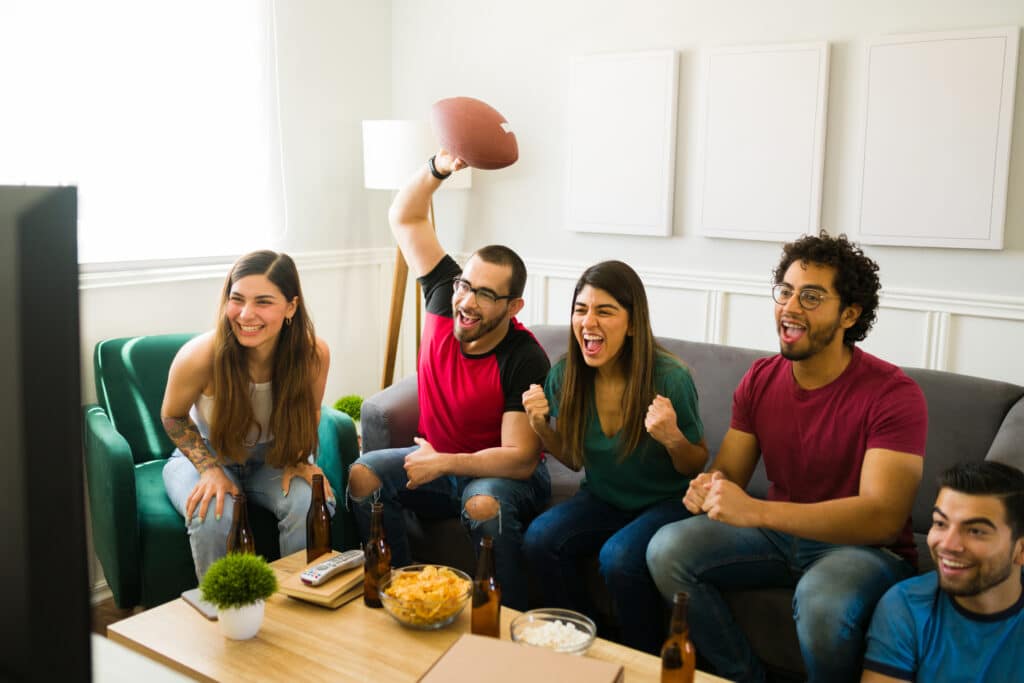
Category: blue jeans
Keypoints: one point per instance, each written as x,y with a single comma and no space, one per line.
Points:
562,537
262,486
836,588
519,501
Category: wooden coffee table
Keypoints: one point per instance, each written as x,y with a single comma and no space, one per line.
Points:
303,642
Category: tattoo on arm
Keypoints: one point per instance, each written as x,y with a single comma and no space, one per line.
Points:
185,435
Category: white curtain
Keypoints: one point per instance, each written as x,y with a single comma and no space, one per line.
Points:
164,114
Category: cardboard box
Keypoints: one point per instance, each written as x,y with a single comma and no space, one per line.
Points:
333,593
478,658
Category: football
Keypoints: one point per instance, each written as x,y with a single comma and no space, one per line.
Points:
475,132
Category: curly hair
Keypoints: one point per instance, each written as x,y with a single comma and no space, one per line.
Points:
856,278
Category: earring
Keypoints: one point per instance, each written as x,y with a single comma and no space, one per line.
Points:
288,322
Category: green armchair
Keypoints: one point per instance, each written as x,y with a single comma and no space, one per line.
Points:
139,537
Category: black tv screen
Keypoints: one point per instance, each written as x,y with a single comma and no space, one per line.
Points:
44,582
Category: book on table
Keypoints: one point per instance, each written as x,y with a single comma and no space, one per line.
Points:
332,593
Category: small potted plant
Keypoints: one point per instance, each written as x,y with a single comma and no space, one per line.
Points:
352,406
238,584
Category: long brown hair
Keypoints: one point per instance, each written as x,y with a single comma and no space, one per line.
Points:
296,363
639,350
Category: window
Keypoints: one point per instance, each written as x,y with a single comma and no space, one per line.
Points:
164,114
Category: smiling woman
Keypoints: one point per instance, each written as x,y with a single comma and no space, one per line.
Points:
242,406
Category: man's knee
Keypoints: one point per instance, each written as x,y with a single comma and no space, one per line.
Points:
481,508
362,481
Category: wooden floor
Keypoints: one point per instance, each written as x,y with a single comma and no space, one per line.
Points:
106,613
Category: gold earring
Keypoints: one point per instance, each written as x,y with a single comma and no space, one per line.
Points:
288,322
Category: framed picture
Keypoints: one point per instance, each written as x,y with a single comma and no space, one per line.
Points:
622,142
762,141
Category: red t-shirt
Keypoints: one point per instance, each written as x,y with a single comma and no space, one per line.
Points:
463,397
813,442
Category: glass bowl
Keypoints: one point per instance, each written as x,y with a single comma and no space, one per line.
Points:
561,630
425,596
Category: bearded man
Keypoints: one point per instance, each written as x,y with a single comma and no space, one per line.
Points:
842,434
476,454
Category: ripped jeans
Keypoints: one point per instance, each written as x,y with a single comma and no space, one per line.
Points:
519,501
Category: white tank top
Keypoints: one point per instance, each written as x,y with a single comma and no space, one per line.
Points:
262,401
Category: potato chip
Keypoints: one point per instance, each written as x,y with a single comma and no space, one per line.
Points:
426,596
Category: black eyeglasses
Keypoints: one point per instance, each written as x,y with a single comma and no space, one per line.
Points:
483,295
809,298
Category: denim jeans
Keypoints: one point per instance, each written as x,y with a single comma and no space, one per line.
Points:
519,501
262,486
562,537
836,588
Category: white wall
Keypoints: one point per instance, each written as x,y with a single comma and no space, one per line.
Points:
951,309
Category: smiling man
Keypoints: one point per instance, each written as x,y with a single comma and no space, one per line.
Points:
842,435
476,454
965,620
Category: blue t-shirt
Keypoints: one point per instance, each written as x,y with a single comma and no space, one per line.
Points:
920,633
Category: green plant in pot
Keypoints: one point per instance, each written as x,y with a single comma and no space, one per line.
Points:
351,405
239,584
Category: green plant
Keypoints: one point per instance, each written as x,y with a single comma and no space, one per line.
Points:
351,405
238,579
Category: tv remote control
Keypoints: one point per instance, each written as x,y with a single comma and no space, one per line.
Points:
317,574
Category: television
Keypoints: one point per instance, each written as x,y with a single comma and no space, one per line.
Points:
44,578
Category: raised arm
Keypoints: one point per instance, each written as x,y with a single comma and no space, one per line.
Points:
410,215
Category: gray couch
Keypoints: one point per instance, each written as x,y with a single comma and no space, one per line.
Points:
969,419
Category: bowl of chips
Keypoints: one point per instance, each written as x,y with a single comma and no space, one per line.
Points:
561,630
425,596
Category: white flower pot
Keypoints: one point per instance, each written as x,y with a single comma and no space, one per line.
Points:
241,623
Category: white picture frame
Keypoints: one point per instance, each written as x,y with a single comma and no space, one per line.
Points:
761,143
622,142
936,139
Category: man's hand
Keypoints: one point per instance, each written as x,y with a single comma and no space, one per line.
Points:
698,491
423,465
536,405
661,422
304,470
727,502
213,483
444,162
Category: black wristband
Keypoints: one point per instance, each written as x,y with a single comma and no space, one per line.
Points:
434,172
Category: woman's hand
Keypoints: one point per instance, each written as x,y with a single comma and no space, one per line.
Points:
213,483
445,162
304,470
537,409
661,422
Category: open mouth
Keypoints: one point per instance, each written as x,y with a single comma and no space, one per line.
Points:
468,321
592,344
791,332
248,330
950,567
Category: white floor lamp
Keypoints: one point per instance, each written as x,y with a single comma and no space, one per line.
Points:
392,151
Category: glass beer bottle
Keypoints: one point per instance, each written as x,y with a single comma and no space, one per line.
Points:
678,657
486,617
240,538
318,522
377,565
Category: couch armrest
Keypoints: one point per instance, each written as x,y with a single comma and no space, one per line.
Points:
1005,446
339,448
389,417
113,508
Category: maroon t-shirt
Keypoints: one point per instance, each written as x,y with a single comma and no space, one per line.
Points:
813,442
463,396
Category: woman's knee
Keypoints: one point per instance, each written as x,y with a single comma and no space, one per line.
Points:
362,481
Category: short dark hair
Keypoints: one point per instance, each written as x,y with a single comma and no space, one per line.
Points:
990,478
856,275
503,256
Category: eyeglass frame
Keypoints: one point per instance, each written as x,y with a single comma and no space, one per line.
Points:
489,296
814,294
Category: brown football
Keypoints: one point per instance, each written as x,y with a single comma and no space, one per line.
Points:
475,132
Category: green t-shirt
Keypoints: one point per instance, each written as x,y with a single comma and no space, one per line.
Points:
646,476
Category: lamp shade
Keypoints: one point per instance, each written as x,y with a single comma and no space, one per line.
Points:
394,149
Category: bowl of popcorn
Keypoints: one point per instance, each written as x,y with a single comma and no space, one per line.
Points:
561,630
425,596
